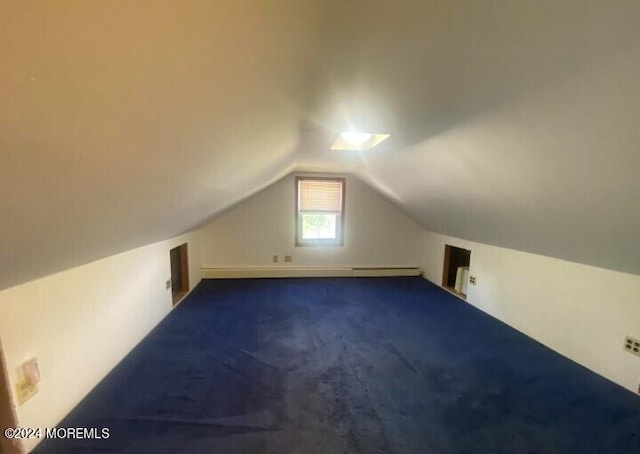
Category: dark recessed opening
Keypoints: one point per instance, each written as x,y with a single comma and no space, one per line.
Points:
455,274
179,272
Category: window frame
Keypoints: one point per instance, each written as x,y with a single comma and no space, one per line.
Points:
339,240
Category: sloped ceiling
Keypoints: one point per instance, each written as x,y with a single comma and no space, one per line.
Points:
513,123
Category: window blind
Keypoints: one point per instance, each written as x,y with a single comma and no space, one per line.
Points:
320,195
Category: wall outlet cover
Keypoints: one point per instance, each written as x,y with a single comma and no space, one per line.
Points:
275,259
288,258
632,345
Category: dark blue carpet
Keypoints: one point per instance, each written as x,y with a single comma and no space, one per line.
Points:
368,365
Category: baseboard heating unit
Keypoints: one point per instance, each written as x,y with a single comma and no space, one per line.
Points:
267,272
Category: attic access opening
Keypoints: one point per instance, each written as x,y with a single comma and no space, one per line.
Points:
455,273
179,272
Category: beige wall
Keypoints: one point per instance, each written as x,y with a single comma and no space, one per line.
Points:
578,310
377,233
81,322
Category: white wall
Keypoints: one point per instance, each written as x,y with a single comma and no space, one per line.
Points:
81,322
376,232
578,310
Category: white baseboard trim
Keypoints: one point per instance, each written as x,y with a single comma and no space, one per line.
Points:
386,271
269,272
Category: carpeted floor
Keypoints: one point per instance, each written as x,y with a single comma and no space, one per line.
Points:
362,365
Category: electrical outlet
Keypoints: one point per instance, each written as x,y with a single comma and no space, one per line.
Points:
275,259
472,280
632,345
288,259
167,284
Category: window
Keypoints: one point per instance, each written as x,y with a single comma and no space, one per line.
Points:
319,211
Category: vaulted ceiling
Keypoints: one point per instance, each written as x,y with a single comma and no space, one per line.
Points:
512,123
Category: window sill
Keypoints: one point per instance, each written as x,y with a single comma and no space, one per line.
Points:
319,244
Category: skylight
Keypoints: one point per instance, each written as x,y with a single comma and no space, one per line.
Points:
356,140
